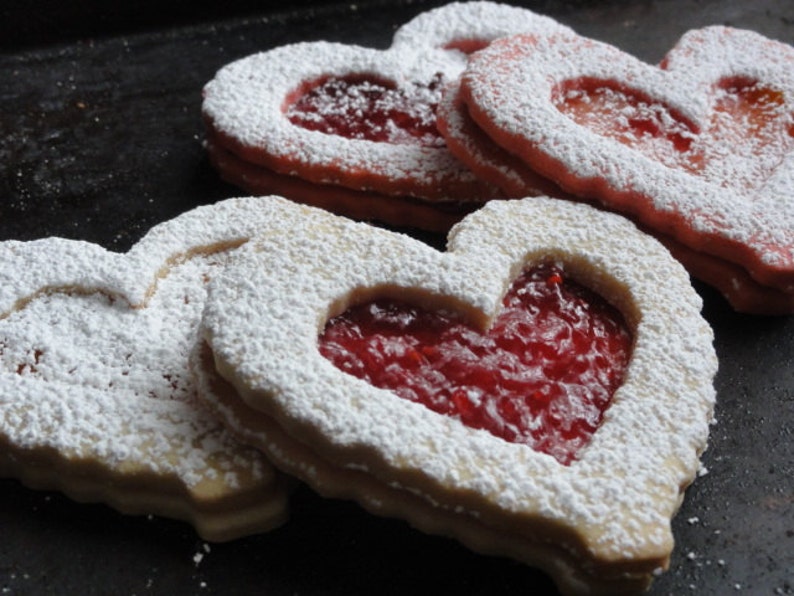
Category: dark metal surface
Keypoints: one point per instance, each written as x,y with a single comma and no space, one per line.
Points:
100,138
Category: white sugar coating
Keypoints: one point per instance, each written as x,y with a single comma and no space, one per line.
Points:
618,497
246,102
739,206
92,377
94,353
458,22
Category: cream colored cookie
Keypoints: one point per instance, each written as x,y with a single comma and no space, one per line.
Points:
96,396
598,525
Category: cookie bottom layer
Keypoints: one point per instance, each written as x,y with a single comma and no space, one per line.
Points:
430,216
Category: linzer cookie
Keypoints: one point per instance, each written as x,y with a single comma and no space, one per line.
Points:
513,175
541,390
333,116
339,114
96,395
698,149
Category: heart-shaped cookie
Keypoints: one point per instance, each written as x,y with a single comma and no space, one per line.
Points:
339,118
280,110
699,148
494,164
96,395
601,523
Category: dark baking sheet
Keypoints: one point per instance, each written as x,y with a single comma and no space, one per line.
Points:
100,138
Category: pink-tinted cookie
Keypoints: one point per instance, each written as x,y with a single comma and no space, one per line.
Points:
96,395
344,115
360,119
406,212
513,175
594,513
698,148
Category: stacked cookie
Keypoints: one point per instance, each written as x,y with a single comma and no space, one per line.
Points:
593,508
97,398
353,129
696,151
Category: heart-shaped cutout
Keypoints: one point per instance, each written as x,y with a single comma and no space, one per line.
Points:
96,395
631,118
748,134
718,108
602,522
542,374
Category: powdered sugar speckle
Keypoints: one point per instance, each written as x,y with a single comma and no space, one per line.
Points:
95,387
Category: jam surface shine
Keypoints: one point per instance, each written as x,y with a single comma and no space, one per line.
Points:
542,375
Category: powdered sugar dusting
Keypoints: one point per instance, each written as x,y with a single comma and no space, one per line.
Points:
94,367
370,110
115,377
617,498
730,195
250,105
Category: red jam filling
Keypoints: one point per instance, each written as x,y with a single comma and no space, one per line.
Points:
752,130
358,107
630,118
748,133
756,109
542,375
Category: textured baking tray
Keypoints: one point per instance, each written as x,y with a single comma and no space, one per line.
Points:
100,138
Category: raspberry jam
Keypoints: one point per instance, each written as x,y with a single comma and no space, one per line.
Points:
748,133
542,375
368,109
